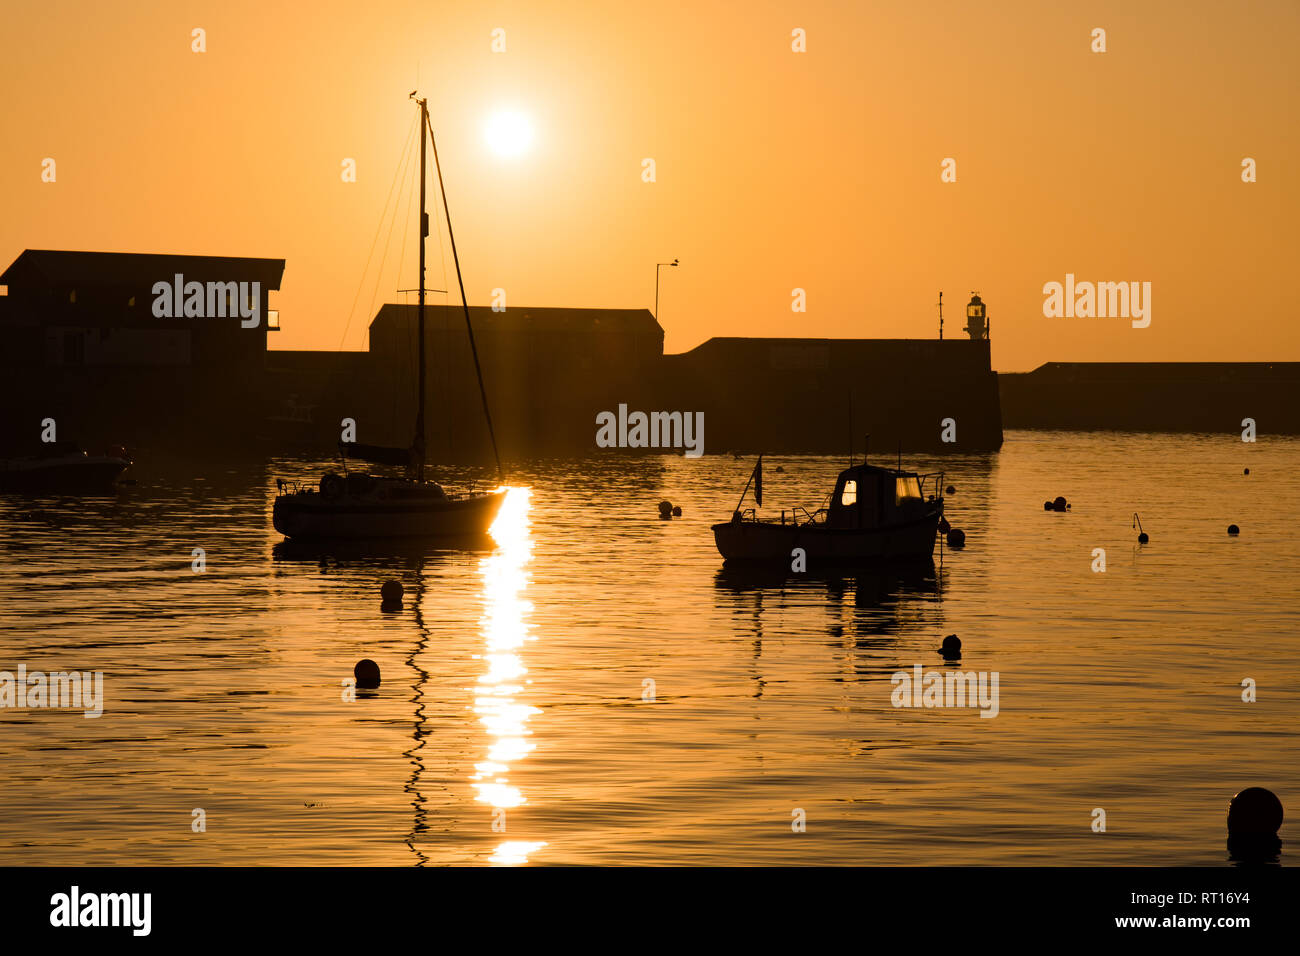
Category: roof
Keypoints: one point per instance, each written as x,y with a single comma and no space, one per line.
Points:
518,318
37,266
1150,372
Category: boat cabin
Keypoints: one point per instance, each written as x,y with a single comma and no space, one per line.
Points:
867,496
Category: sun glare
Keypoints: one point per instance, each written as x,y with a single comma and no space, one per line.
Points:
509,134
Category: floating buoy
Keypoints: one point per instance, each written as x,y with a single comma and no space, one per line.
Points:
1233,529
951,649
391,592
1060,504
780,470
944,526
367,674
1142,538
1246,472
956,538
1254,812
665,509
677,511
1047,506
950,490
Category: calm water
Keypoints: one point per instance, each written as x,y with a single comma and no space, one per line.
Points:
514,678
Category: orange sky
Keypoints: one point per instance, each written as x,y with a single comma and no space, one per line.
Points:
775,170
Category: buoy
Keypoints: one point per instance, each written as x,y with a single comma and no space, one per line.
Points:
1233,529
1254,812
367,674
956,538
677,511
1142,538
1060,504
1246,472
944,526
950,490
1047,506
780,470
391,592
665,509
951,649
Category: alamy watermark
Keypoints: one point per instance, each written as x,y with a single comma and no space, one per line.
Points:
946,689
57,689
655,430
208,300
75,908
1086,300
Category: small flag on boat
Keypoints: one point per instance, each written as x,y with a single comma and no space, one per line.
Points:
758,481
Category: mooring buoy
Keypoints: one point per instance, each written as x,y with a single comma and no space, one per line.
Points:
950,490
1254,811
391,592
1233,529
951,649
956,538
665,509
366,672
1060,504
1047,506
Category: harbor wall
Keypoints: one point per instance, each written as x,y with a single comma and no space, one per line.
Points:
815,396
1154,396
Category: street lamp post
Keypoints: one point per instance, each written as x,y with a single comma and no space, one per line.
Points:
658,266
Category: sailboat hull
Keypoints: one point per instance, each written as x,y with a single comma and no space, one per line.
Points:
312,516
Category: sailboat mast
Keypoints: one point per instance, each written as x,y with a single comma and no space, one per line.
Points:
469,326
424,232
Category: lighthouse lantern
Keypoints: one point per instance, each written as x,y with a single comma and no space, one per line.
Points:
976,321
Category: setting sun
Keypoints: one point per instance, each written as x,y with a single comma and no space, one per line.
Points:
509,134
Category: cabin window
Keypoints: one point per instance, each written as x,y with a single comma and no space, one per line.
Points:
849,496
909,487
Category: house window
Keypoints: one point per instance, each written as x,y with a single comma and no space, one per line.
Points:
850,494
74,347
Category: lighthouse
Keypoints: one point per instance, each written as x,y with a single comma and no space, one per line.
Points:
976,320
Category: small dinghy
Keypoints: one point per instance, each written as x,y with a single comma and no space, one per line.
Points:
61,467
873,514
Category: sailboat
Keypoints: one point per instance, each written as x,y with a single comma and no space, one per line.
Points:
359,505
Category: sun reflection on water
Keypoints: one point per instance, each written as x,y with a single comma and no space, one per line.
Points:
505,630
